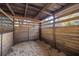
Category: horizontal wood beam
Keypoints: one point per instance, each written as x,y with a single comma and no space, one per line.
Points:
21,18
6,14
70,19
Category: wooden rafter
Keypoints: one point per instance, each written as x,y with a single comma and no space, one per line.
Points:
43,10
10,9
26,8
60,5
6,14
67,11
47,13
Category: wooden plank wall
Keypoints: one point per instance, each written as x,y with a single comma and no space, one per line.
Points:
21,33
67,37
34,33
26,32
7,42
47,35
6,35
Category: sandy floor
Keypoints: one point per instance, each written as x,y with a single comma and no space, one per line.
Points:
34,48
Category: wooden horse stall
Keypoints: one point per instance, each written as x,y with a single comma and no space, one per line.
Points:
67,34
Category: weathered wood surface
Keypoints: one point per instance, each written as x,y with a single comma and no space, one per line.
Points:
68,39
25,33
47,35
7,41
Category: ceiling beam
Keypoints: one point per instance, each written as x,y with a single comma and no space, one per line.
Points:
60,5
6,14
42,10
10,9
26,8
67,11
47,13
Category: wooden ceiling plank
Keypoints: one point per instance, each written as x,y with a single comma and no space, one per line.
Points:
10,9
43,9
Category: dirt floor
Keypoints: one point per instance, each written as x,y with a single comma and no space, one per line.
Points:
34,48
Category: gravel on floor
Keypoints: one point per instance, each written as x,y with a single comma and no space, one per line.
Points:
34,48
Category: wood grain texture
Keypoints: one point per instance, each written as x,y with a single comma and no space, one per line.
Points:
7,41
67,38
26,33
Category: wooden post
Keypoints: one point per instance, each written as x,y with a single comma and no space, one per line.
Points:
1,36
54,31
13,31
28,31
40,31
